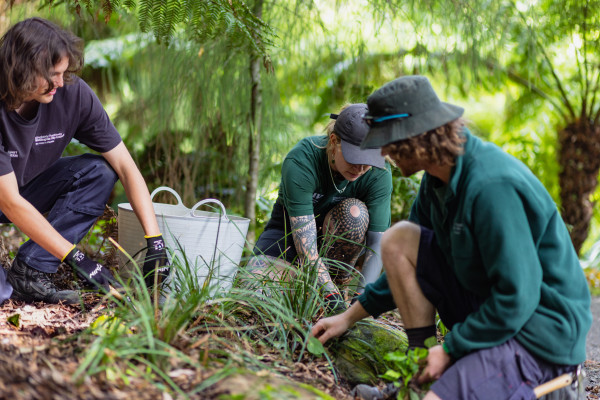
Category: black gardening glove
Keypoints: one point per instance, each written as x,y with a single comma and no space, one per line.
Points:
95,273
335,304
156,259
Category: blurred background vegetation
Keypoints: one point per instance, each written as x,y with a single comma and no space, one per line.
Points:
210,95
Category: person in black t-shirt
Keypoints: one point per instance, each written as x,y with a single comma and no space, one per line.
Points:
43,105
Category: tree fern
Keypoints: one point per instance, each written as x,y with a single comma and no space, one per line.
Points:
204,20
144,9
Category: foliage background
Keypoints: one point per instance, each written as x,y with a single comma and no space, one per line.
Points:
180,92
179,89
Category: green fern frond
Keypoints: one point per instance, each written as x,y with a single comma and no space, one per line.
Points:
173,15
129,4
108,8
231,21
145,7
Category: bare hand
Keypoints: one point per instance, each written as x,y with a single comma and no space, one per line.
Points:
437,362
330,327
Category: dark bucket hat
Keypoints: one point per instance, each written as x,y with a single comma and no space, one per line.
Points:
352,129
404,108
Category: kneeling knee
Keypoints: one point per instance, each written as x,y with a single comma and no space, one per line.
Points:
349,218
401,240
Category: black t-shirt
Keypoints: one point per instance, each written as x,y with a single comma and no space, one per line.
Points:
28,147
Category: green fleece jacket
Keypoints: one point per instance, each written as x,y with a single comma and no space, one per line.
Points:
501,232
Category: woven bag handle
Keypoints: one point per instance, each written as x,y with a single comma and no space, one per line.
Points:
167,189
201,202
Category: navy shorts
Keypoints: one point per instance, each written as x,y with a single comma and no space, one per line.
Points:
440,285
276,243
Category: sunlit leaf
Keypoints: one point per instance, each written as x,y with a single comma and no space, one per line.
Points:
14,319
315,347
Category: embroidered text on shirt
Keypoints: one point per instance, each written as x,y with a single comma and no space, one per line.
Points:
47,139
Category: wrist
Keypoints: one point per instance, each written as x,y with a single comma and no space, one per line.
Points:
153,236
71,250
155,243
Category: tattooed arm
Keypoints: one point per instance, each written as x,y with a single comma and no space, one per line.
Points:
304,232
372,264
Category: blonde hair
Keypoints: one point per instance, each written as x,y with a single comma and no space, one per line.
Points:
332,143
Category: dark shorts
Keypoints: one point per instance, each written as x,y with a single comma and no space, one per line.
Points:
507,371
440,285
276,243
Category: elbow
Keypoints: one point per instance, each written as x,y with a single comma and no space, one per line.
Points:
9,204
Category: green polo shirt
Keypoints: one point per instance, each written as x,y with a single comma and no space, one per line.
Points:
307,185
501,232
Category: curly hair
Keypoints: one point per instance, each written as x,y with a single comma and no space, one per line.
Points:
28,51
438,146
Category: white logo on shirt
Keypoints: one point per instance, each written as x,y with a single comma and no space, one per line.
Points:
13,154
457,228
316,197
48,139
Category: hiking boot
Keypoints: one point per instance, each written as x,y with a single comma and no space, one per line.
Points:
30,285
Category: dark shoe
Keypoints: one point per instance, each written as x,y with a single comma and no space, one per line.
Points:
30,285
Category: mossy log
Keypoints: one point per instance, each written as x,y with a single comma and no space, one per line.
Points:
359,354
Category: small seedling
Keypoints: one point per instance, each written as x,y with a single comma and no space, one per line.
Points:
405,367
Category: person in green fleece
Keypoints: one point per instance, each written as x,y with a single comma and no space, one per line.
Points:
485,246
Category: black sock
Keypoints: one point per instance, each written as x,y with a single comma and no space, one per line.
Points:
417,336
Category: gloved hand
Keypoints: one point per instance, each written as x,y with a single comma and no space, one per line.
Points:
156,259
95,273
335,304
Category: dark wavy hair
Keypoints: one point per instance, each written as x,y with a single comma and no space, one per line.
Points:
438,146
30,49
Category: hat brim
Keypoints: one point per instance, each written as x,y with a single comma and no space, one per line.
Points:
354,155
394,130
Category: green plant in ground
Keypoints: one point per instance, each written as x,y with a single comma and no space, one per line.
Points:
282,300
147,334
193,324
405,367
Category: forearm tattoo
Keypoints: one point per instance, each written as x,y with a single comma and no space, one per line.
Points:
304,232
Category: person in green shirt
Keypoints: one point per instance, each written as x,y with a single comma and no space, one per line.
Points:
485,246
332,195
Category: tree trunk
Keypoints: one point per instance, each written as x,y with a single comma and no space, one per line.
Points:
254,142
579,158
